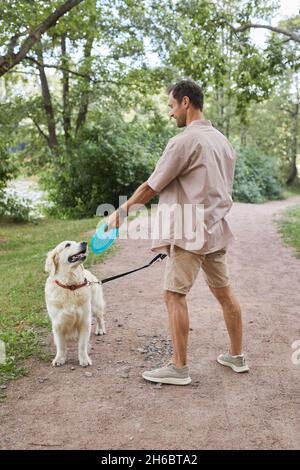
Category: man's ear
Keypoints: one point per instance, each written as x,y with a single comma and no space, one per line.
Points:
186,101
51,262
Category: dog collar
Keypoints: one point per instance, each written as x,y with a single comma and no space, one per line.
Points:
72,286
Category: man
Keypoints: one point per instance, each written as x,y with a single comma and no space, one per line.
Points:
197,167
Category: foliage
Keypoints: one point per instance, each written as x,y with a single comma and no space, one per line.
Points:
256,178
7,167
109,159
289,226
99,60
15,208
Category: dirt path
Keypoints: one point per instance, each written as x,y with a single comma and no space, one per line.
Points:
109,406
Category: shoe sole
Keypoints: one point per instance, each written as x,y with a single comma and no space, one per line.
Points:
171,380
233,367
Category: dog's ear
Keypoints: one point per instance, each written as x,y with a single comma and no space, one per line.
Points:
51,262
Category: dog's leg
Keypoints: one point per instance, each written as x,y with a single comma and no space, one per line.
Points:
98,313
84,335
61,348
100,323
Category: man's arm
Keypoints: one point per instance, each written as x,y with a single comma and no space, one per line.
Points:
142,195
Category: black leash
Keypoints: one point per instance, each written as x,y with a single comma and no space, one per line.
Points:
158,257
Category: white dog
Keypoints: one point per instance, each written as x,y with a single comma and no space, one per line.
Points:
73,295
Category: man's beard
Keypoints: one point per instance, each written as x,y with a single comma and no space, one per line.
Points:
181,122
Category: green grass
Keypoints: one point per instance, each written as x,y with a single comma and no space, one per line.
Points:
289,228
23,319
290,191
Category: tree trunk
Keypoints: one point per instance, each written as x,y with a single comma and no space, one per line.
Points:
229,53
243,135
222,118
65,89
84,99
293,172
47,101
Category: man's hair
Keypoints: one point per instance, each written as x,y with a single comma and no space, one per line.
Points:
188,88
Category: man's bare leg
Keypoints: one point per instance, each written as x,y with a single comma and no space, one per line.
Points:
179,325
232,317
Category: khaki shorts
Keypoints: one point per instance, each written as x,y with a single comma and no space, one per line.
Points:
183,267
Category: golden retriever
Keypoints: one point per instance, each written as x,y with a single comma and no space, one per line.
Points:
73,295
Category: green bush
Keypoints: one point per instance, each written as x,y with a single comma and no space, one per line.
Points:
112,157
7,168
11,206
7,172
108,159
15,208
256,178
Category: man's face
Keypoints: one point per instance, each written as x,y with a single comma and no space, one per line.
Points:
178,111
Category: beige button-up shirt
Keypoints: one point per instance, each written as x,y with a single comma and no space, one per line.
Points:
196,168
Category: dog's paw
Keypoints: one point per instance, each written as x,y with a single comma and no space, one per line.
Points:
85,361
99,332
58,361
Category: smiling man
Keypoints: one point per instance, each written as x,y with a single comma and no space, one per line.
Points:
196,168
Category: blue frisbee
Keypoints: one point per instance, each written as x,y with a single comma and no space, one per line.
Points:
101,240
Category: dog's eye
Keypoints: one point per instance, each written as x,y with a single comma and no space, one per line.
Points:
68,244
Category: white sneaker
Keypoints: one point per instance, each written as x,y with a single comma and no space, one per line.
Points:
237,363
169,374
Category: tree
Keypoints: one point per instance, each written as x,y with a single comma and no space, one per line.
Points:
12,58
239,29
195,41
292,108
283,57
93,56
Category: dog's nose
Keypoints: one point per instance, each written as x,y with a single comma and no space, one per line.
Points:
83,244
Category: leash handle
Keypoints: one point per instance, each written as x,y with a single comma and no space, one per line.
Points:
158,257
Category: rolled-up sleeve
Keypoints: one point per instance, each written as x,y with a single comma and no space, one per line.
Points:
171,164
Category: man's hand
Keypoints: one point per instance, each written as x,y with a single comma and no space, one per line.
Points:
115,219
